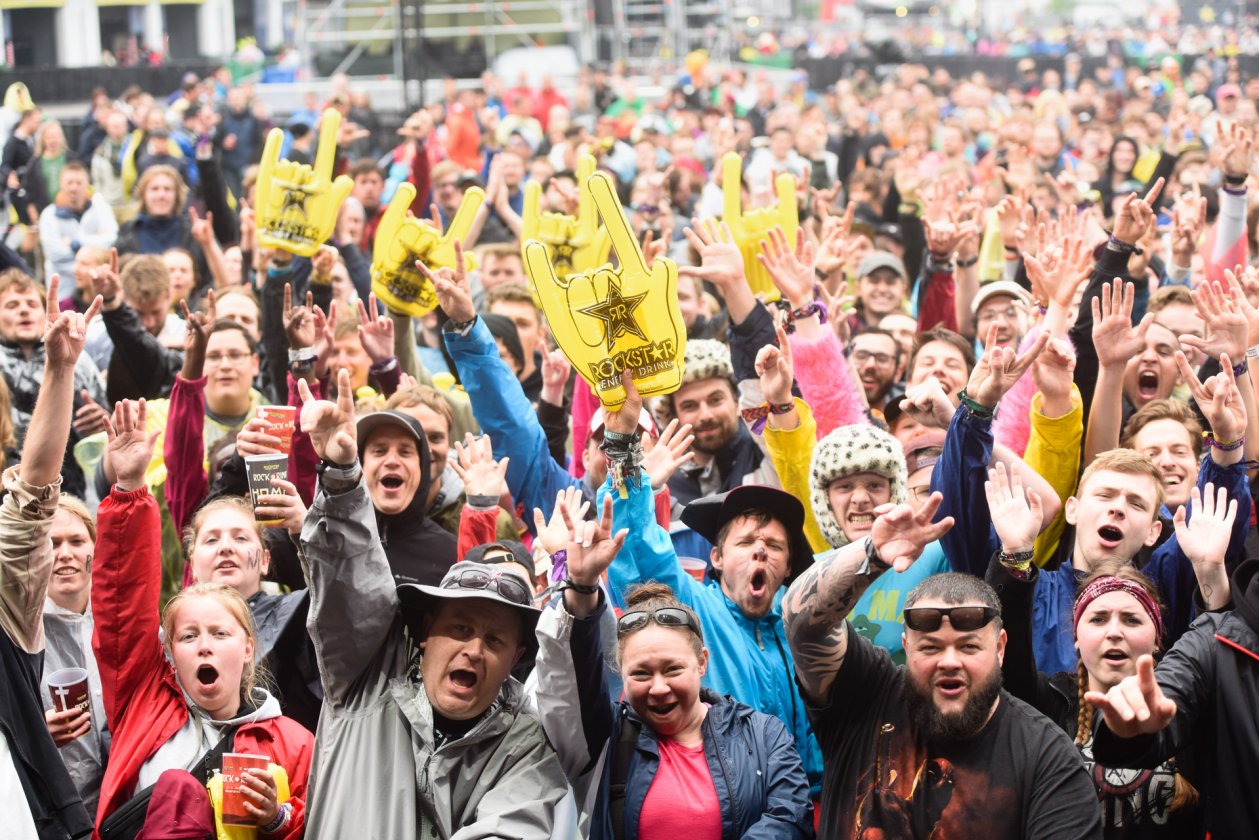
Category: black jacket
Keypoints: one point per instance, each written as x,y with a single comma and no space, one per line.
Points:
140,365
1212,675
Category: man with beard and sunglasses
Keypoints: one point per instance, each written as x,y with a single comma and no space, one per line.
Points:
935,748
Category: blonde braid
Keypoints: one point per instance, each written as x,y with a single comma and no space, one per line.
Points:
1084,716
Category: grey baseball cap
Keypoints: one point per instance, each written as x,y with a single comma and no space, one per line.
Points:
875,260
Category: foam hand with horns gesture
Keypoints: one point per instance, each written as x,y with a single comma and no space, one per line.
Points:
575,244
296,204
750,227
402,240
610,320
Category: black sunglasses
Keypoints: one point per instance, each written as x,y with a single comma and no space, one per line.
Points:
664,616
508,585
928,619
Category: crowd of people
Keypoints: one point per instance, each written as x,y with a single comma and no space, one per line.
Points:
944,530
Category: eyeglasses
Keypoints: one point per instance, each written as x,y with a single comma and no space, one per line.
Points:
863,356
234,357
506,584
664,616
921,493
1009,313
928,619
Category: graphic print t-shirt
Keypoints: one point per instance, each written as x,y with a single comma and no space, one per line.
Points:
1019,777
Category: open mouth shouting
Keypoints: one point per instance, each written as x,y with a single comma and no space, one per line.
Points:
207,677
1115,657
1147,384
1110,536
758,585
951,688
463,681
662,710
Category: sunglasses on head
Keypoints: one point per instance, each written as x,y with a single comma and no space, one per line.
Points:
928,619
508,585
664,616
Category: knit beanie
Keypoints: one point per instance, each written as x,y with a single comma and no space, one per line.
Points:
846,451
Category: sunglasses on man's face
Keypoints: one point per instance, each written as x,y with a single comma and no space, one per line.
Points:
508,585
929,619
664,616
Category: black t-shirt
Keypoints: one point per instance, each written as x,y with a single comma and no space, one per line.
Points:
1020,777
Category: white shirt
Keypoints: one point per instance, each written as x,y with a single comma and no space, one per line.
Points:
19,823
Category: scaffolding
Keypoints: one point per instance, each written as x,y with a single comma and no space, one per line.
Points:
650,35
373,33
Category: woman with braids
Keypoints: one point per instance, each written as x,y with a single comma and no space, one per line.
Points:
1117,619
672,758
177,701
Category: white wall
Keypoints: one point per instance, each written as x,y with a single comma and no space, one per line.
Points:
79,34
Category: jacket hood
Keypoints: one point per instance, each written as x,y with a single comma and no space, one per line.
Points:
1245,585
413,517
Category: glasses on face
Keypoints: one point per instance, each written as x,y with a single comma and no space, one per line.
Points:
506,584
232,357
862,357
920,493
446,185
1009,313
664,616
928,619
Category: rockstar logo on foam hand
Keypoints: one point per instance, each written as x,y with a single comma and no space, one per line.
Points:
297,205
402,239
608,320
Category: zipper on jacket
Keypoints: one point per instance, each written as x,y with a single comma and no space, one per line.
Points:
791,700
725,772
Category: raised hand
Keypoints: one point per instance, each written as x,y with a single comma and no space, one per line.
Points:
899,534
1054,372
1204,535
374,332
790,269
1058,283
1017,516
1189,219
613,320
721,261
325,331
837,248
283,510
591,545
1135,216
130,447
751,226
409,250
555,370
330,425
775,369
197,327
1114,337
1000,367
202,229
1219,398
1227,329
554,533
299,321
1137,706
671,451
575,244
927,403
1236,143
475,465
297,205
322,264
64,332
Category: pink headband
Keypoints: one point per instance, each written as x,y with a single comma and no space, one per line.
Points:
1103,585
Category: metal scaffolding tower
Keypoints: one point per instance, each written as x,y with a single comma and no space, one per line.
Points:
374,33
651,34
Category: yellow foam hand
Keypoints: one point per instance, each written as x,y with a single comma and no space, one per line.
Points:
402,239
751,226
574,244
296,205
609,319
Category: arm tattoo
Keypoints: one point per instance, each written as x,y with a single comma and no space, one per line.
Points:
814,612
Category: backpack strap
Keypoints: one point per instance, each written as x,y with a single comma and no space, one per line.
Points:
622,754
213,760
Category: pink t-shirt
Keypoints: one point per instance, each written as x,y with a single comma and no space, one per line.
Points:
681,800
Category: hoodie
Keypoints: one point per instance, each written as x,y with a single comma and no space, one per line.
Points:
418,549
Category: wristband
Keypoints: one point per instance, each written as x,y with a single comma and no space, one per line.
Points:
584,589
873,565
757,415
109,301
303,354
1017,563
815,308
559,563
385,366
1241,367
279,822
1252,352
1209,437
983,412
1123,247
461,327
966,263
624,453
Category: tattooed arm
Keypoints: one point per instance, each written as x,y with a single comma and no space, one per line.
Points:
818,601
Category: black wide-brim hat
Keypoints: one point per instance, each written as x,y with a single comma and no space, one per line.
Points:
706,517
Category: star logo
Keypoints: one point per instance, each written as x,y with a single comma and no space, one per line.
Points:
617,313
295,199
